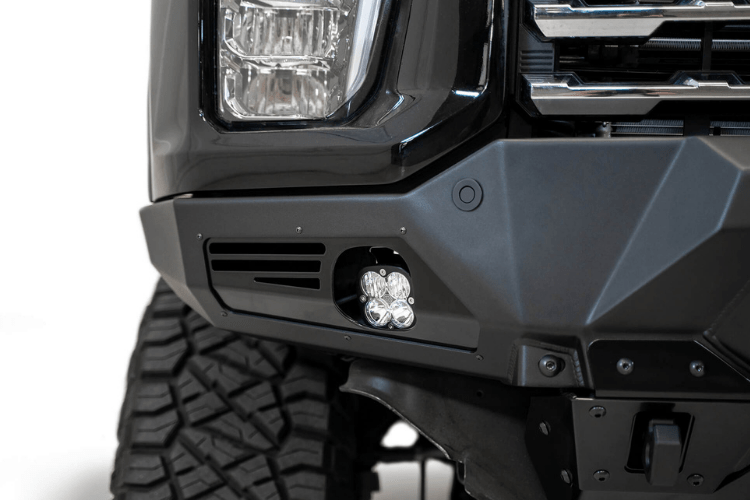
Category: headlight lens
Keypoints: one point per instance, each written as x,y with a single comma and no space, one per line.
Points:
292,59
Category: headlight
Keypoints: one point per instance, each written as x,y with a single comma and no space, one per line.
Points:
292,59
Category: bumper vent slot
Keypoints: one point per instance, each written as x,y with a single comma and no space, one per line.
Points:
267,249
267,266
311,283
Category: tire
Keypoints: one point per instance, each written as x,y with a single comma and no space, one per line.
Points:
213,415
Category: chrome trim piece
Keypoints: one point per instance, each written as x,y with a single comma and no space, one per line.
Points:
566,94
557,20
694,45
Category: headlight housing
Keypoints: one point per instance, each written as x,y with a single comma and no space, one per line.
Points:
292,59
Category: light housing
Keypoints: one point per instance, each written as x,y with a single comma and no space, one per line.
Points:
385,293
292,59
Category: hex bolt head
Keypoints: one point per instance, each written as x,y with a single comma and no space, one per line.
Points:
299,230
697,368
566,476
544,428
601,475
695,480
597,411
550,366
625,366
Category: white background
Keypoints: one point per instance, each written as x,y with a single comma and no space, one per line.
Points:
76,275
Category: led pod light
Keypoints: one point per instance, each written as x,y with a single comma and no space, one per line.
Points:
387,299
292,59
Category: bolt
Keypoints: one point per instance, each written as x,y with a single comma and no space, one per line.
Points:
363,298
480,357
697,368
411,301
403,230
597,411
382,272
544,428
625,366
550,366
224,314
566,476
601,475
347,337
299,230
695,480
200,236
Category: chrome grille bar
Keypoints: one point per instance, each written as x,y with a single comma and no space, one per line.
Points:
566,94
563,20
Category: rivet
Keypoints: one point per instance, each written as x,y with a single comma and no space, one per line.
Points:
382,272
347,337
566,476
601,475
625,366
411,301
363,298
224,314
544,428
299,230
199,236
697,368
597,411
695,480
480,357
403,230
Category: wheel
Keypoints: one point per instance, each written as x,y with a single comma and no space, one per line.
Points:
212,415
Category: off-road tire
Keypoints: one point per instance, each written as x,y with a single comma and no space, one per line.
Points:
213,415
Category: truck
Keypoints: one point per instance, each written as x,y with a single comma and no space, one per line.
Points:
523,227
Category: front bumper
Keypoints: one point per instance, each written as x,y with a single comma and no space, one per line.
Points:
574,242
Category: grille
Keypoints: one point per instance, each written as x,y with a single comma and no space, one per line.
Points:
668,61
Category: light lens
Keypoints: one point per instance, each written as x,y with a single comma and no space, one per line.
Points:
292,59
402,314
373,285
377,312
398,286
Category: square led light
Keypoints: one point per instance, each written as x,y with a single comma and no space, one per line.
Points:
292,59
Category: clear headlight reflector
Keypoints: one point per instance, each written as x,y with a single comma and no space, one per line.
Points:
377,312
292,59
402,314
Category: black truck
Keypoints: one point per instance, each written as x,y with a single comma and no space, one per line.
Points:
521,226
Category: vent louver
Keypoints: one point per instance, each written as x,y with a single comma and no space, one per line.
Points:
238,264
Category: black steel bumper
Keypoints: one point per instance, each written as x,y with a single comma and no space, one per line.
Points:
575,243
